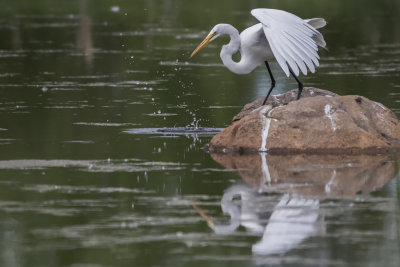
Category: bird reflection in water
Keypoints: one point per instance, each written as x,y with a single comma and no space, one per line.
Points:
282,197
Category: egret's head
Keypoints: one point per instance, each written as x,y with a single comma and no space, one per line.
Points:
214,33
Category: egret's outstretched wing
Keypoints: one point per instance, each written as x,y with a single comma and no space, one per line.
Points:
293,41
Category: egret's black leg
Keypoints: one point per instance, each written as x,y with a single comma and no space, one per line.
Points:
272,82
298,81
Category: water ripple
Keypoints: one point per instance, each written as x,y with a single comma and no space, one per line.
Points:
126,165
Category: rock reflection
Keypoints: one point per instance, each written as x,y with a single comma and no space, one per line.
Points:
282,196
315,176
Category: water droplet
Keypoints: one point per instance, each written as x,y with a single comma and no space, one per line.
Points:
114,9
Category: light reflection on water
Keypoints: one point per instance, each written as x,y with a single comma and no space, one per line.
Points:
85,180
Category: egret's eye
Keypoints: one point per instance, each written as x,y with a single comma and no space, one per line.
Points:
213,36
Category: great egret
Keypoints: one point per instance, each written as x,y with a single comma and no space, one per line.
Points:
280,35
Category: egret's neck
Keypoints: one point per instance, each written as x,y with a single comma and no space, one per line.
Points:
234,45
231,48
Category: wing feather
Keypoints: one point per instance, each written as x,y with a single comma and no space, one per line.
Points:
297,54
312,53
280,59
309,43
289,57
293,41
305,55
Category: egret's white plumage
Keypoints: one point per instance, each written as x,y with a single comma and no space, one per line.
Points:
280,35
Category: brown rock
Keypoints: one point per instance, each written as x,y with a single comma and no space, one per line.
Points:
312,175
319,123
281,100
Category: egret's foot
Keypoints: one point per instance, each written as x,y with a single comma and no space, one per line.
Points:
298,82
265,101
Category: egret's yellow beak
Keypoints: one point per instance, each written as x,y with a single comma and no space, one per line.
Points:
203,44
203,214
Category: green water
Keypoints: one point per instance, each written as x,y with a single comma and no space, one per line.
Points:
78,187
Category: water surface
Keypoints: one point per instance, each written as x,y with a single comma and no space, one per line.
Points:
89,175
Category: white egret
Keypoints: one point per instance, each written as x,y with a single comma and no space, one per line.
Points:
280,35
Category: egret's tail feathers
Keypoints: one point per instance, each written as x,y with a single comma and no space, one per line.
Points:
319,39
316,22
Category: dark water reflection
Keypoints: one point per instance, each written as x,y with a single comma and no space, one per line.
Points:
88,179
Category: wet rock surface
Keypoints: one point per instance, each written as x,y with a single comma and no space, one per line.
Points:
281,100
321,122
